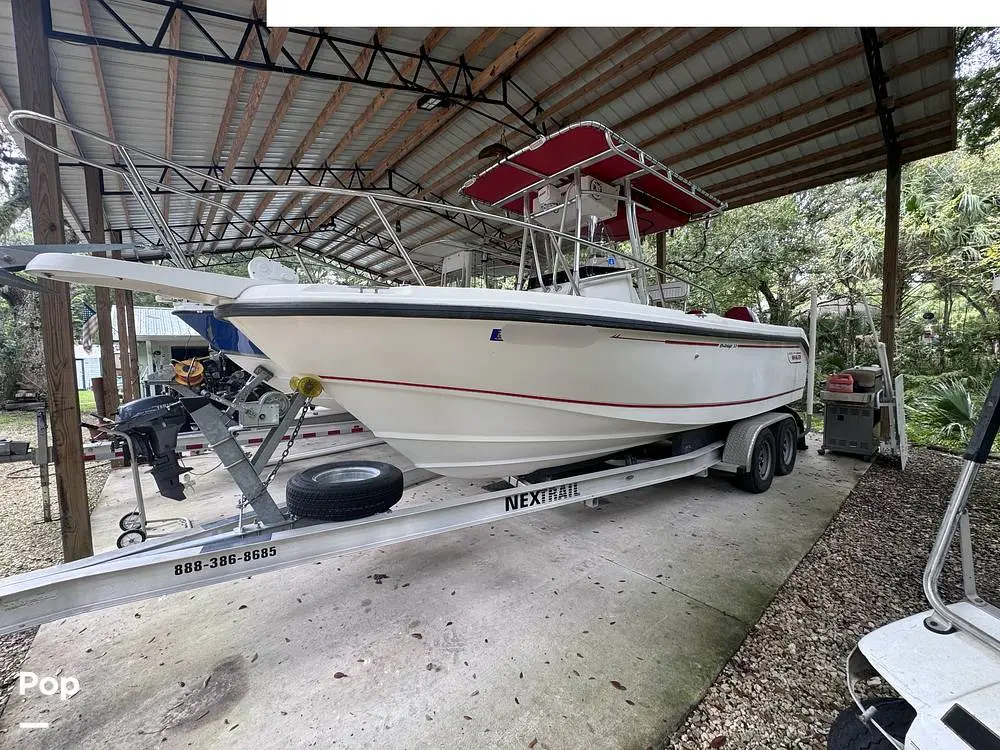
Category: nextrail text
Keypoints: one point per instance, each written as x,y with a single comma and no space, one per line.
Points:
537,497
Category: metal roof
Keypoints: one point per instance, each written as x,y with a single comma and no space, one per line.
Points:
150,323
747,114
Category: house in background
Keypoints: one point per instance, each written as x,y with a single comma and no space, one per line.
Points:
160,335
88,364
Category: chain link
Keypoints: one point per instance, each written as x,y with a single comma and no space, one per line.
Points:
291,441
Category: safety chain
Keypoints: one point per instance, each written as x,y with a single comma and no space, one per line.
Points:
291,441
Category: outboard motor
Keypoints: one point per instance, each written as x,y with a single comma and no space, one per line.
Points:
153,424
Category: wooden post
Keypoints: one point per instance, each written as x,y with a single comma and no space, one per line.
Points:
109,373
890,256
133,346
661,254
890,269
35,82
129,392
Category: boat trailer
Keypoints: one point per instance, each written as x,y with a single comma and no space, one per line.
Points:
264,536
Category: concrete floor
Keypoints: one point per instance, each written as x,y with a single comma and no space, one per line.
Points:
572,627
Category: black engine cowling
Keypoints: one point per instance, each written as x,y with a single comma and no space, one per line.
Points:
153,424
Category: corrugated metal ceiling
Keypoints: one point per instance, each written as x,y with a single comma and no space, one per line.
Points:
746,113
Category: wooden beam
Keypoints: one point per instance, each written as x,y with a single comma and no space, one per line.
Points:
102,90
229,111
890,256
109,372
254,98
362,61
845,165
374,106
757,95
722,189
483,81
277,117
653,72
702,84
173,73
129,391
472,51
830,125
35,83
133,345
810,180
812,105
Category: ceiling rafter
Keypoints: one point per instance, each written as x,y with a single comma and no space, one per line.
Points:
277,117
689,50
807,180
232,100
721,189
102,89
830,125
504,62
170,107
877,152
362,61
256,95
796,36
471,52
759,94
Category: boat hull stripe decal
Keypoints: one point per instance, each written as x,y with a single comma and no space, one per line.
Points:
531,397
492,314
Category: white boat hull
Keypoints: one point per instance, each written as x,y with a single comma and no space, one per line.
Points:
488,397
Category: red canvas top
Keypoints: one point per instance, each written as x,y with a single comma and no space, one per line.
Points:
664,200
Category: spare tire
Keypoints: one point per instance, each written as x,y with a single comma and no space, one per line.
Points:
344,490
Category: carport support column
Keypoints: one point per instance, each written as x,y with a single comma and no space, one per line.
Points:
126,332
890,265
890,255
109,372
35,82
661,255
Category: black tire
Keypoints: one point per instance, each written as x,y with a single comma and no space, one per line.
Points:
130,521
786,439
759,476
130,537
848,733
344,490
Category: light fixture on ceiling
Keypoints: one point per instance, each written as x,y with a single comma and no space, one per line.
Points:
399,226
430,102
495,151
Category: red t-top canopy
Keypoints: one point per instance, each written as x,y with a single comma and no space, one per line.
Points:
664,200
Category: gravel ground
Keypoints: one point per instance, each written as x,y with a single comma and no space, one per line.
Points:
786,683
25,542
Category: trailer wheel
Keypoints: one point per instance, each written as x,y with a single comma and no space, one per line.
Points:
759,476
786,437
344,490
130,537
848,732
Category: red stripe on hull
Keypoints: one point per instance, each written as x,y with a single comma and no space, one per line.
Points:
458,389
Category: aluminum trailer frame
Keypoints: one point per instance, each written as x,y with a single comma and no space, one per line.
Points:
240,547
